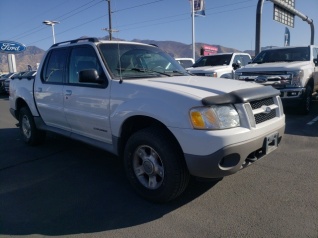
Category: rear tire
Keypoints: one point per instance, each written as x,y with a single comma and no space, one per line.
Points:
30,134
155,165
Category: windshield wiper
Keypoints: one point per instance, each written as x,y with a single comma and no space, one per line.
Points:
264,62
179,72
143,70
150,71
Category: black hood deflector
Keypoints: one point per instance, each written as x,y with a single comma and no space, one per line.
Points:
242,96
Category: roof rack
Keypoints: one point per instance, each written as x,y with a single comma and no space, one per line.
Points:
90,39
154,45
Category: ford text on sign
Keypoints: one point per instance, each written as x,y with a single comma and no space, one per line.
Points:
11,47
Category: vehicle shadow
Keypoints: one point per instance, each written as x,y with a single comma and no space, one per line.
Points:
4,97
299,124
64,187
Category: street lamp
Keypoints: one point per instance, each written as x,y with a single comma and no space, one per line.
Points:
51,23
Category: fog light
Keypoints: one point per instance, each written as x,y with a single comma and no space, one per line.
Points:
230,160
292,94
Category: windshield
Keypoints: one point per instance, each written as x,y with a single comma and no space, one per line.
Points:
139,61
283,55
213,60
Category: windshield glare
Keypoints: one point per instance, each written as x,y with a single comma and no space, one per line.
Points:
283,55
139,61
213,60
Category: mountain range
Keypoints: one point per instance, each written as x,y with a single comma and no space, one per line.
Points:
33,55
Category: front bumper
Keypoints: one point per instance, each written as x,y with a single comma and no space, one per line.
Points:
230,159
292,96
218,153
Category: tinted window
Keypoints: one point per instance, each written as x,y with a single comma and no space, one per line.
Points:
242,59
245,59
238,59
55,65
83,58
213,60
283,55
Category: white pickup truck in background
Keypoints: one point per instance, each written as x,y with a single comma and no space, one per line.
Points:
221,65
185,62
137,102
292,70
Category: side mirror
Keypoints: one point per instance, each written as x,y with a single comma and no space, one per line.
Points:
236,66
316,61
90,76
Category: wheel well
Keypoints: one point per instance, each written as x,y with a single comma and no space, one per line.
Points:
137,123
311,83
20,103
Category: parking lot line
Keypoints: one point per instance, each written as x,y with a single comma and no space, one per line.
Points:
313,121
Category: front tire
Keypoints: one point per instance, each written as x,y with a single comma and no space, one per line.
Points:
306,101
155,165
30,134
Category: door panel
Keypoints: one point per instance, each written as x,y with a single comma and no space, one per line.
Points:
86,105
86,111
49,89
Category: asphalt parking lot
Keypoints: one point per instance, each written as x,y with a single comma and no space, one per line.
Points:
68,189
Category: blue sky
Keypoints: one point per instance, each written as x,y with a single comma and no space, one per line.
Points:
230,23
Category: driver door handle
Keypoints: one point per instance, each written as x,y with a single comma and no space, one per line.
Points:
68,92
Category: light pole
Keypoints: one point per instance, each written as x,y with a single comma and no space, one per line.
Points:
51,23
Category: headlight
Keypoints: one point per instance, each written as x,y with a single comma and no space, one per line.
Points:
214,117
213,74
296,78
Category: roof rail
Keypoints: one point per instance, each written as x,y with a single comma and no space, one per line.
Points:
90,39
154,45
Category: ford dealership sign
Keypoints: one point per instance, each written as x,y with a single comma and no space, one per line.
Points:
11,47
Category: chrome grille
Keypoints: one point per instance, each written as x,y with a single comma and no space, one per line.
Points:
259,103
276,79
259,114
261,117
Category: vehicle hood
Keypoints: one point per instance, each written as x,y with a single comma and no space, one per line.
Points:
207,68
174,96
192,86
275,66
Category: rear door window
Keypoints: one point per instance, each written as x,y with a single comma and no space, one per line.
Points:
55,66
